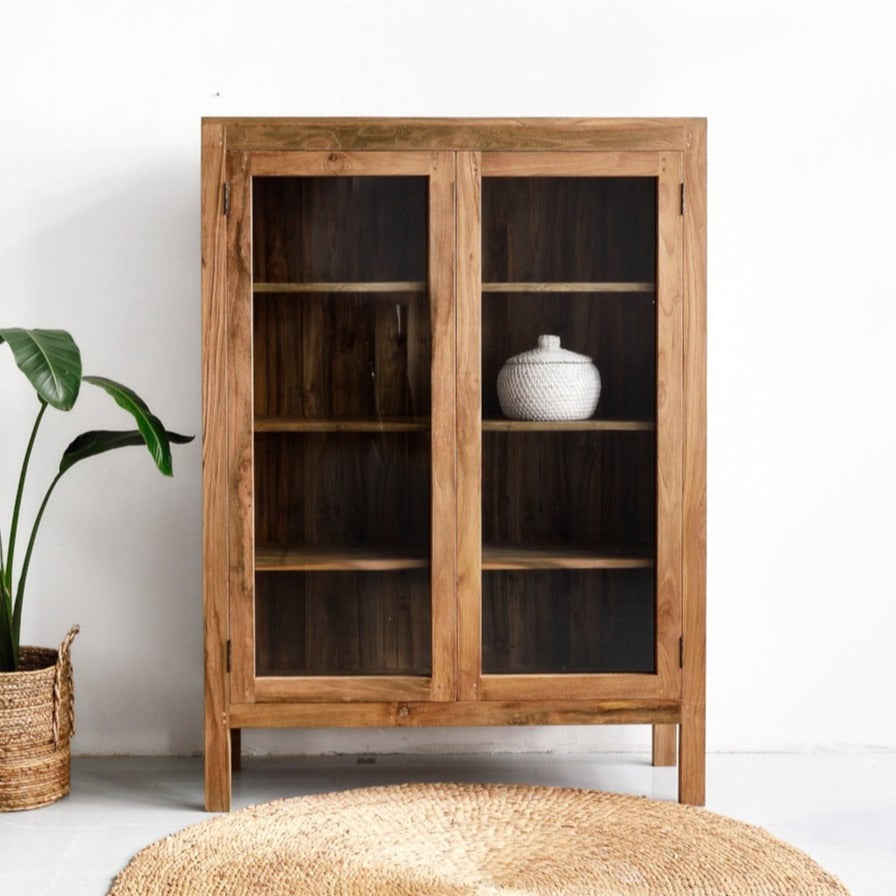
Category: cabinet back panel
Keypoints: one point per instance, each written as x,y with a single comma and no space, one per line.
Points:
343,623
549,621
569,229
345,355
569,489
339,228
342,490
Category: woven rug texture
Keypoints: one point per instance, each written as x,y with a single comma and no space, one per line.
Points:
473,840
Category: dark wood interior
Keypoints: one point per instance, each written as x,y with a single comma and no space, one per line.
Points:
550,621
339,229
568,229
573,497
590,490
341,368
342,356
332,490
343,623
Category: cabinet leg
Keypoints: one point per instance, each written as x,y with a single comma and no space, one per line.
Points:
664,744
236,749
217,767
692,761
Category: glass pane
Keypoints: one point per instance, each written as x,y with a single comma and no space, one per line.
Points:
569,507
549,621
569,229
346,623
341,369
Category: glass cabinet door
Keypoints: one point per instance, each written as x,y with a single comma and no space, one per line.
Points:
576,531
344,292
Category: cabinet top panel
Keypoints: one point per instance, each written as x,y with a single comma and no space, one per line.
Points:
455,133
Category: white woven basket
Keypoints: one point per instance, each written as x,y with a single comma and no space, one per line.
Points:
549,383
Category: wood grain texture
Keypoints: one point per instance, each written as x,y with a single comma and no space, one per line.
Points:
582,557
215,480
561,622
569,491
239,420
333,163
669,409
692,760
365,286
573,686
570,164
502,425
309,559
582,286
425,713
443,502
343,491
664,748
343,688
343,622
469,416
286,424
470,134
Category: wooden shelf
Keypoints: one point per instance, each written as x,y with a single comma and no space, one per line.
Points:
334,559
526,286
283,424
497,557
410,286
567,425
494,557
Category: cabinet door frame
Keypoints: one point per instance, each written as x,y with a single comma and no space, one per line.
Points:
439,168
667,167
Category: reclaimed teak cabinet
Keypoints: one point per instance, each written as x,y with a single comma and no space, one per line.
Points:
383,547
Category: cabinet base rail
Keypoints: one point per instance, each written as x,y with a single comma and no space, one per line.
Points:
412,714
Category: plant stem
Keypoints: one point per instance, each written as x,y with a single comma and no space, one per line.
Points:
5,601
8,655
15,512
20,591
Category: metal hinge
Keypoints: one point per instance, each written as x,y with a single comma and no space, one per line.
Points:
229,655
681,211
226,200
680,653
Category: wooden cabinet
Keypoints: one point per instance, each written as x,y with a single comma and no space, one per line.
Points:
383,546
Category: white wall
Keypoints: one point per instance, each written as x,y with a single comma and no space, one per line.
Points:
99,233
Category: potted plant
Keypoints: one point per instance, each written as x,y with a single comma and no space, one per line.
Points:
36,718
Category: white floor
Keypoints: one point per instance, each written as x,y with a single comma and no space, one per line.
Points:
838,807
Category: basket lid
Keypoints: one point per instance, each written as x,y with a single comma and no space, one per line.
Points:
549,352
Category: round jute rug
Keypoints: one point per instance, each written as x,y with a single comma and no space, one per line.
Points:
453,839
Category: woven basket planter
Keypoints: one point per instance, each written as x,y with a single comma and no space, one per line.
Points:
37,719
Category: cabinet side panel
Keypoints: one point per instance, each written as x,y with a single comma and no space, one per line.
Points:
214,469
469,424
693,729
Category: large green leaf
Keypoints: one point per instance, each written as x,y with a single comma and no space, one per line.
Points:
147,422
51,361
98,441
